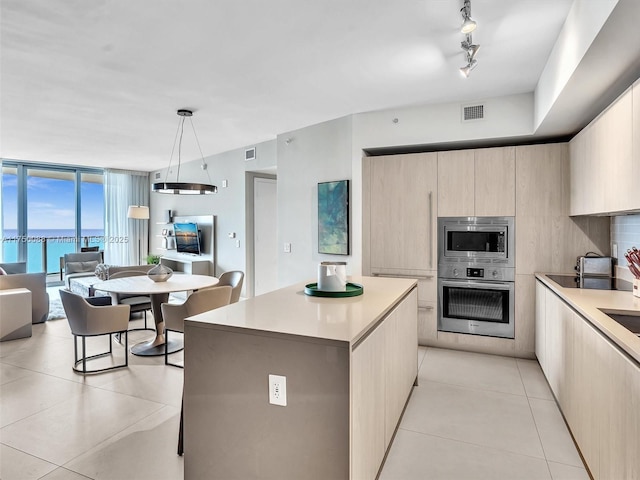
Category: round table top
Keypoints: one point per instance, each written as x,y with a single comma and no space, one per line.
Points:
144,285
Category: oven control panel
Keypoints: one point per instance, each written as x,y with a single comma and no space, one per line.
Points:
475,272
496,273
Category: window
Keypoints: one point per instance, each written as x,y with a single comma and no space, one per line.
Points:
49,211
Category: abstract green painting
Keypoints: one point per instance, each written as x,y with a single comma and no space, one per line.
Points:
333,217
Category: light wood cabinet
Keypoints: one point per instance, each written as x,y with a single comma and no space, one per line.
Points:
384,369
368,393
456,183
495,176
596,386
634,194
604,159
541,328
400,367
402,214
478,182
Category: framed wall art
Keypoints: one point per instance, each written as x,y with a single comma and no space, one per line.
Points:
333,217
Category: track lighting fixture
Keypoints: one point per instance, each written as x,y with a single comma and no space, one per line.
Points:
468,24
466,70
467,44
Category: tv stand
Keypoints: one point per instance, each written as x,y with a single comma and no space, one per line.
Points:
203,264
193,264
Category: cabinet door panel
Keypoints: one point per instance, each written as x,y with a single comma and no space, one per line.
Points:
456,183
403,212
634,193
615,162
495,182
367,409
541,339
401,364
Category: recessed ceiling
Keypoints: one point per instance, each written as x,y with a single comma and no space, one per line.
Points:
98,83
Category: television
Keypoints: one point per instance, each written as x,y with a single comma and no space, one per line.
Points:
187,238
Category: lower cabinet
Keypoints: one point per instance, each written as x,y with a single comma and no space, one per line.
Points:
384,367
596,386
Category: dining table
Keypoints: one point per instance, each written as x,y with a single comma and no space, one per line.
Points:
159,294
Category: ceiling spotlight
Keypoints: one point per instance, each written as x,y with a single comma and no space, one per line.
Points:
468,24
469,47
467,68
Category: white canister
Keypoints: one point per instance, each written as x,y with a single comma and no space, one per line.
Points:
332,276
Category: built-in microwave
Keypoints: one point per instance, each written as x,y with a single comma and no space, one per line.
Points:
476,240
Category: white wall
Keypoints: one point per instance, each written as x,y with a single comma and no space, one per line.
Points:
228,205
319,153
584,22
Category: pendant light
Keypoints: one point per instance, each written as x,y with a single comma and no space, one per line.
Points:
178,187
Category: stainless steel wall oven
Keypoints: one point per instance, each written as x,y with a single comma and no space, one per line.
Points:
476,275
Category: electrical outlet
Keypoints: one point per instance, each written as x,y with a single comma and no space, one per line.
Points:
278,390
237,243
287,248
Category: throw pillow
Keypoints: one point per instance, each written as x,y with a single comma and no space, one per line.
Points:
78,267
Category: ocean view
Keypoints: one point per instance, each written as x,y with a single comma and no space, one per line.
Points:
58,242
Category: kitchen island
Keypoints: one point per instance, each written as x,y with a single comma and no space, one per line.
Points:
349,363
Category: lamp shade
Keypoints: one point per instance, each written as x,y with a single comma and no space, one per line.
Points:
139,212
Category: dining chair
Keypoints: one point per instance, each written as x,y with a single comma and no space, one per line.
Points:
138,303
198,302
91,317
233,278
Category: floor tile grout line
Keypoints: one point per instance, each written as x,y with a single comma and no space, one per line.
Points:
467,387
104,442
494,449
32,455
535,423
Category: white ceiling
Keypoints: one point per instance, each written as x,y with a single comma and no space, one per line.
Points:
98,82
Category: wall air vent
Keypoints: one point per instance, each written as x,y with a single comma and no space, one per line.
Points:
157,175
472,112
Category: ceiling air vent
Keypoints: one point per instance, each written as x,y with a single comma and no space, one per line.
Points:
472,112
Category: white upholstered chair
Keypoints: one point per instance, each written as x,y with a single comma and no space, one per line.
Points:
89,320
234,279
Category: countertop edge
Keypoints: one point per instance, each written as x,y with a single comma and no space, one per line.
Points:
215,319
587,303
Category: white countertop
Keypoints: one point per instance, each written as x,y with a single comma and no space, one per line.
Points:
289,311
587,302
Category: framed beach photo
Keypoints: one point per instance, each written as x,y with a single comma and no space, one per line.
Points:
333,217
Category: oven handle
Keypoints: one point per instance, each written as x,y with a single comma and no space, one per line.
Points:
486,285
402,275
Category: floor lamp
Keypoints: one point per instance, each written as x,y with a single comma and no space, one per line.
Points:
139,213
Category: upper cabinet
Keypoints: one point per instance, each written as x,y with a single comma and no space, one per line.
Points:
401,192
605,160
478,182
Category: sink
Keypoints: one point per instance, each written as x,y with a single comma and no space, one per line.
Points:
630,321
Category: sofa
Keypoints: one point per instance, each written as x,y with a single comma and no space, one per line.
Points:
14,267
36,283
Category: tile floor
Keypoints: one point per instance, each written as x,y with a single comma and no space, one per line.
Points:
472,416
476,416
